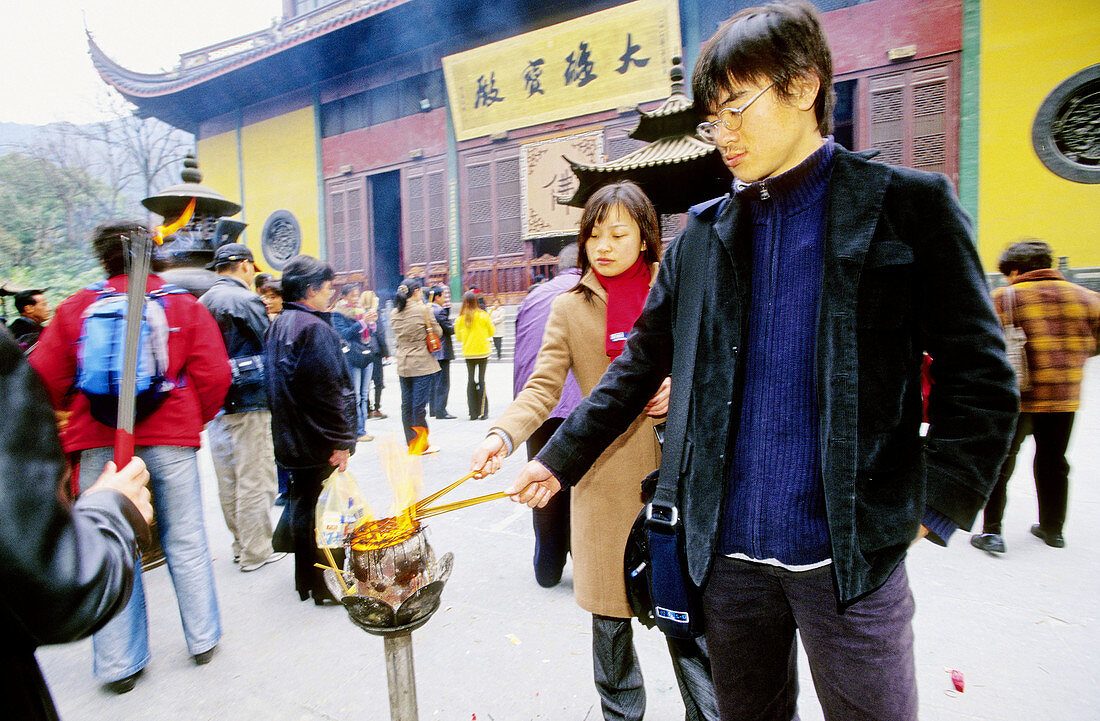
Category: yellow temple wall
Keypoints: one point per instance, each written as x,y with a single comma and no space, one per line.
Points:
1027,50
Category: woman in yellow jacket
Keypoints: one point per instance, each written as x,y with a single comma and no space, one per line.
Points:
475,331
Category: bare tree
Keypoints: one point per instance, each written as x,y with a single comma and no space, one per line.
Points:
135,157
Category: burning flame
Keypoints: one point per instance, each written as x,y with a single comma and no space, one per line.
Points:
418,445
405,476
163,231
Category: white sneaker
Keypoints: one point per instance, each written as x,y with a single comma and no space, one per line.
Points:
270,559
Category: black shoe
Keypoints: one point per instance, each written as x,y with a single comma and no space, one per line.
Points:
201,659
1054,540
123,685
281,499
323,596
988,542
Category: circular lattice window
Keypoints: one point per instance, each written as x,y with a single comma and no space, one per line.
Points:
282,238
1066,133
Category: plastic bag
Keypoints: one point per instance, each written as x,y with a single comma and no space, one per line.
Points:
339,507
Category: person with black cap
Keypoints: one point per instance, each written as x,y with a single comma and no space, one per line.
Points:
240,436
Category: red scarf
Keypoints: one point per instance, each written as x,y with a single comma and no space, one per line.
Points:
626,294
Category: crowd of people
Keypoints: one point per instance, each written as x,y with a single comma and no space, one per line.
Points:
769,367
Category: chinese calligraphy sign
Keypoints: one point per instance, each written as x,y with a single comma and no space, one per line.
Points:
577,67
487,92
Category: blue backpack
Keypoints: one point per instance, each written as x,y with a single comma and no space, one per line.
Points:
101,347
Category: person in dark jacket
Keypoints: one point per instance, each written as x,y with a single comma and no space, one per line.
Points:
350,322
64,571
240,436
380,352
792,316
34,310
439,302
312,405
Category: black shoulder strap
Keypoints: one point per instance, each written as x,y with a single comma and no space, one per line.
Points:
689,312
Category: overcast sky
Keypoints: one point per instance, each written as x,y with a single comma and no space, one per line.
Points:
47,74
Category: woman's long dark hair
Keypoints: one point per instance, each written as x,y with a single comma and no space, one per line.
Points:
636,203
408,287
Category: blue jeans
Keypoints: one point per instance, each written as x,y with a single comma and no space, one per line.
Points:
360,381
121,648
415,391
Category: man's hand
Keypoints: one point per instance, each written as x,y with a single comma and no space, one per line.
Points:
488,456
534,485
132,482
658,405
340,459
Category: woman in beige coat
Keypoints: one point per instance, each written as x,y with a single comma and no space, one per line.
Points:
619,244
411,319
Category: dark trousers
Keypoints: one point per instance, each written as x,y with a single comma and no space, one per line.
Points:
861,660
305,488
441,388
618,675
498,344
376,378
475,387
691,663
551,523
415,391
1051,469
615,669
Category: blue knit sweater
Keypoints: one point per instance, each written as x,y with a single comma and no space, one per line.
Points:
775,508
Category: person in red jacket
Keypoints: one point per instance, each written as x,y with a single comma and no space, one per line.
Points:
167,440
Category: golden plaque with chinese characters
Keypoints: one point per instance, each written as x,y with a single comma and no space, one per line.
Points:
613,58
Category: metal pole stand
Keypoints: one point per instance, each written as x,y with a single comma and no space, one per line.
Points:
401,677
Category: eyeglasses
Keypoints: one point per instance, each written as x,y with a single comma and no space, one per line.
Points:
730,118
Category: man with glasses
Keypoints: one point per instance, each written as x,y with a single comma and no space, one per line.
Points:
792,315
240,437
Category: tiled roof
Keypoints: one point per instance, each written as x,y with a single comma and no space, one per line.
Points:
264,44
666,151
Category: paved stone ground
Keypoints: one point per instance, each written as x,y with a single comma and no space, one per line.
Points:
1022,628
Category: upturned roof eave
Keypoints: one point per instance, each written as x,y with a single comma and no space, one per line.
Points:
133,84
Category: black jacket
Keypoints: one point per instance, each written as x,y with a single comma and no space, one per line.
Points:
242,319
64,572
900,276
443,317
312,402
25,330
357,354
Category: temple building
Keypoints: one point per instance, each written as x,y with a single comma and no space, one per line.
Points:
397,137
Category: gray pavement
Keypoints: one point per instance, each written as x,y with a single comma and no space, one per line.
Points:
1022,628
